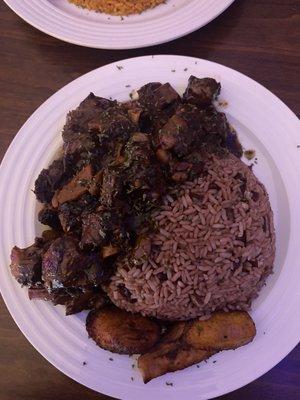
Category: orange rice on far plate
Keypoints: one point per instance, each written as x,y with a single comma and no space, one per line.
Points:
118,7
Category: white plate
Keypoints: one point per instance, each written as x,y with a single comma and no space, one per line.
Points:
264,123
72,24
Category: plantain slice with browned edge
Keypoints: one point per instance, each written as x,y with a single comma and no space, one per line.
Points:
187,343
222,331
122,332
171,354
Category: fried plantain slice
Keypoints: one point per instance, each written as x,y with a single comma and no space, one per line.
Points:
190,342
222,331
171,354
122,332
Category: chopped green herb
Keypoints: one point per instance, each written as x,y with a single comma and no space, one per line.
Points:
83,182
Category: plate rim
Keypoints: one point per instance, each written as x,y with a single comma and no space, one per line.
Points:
63,91
13,5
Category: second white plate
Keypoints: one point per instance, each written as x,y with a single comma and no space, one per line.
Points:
72,24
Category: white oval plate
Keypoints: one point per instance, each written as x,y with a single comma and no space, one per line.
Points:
163,23
264,123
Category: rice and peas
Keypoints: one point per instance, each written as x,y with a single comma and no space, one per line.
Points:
118,7
213,248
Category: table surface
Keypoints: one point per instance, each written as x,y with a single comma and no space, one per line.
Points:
260,38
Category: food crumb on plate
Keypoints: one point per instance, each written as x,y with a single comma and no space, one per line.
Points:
84,363
111,359
223,103
249,154
169,383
